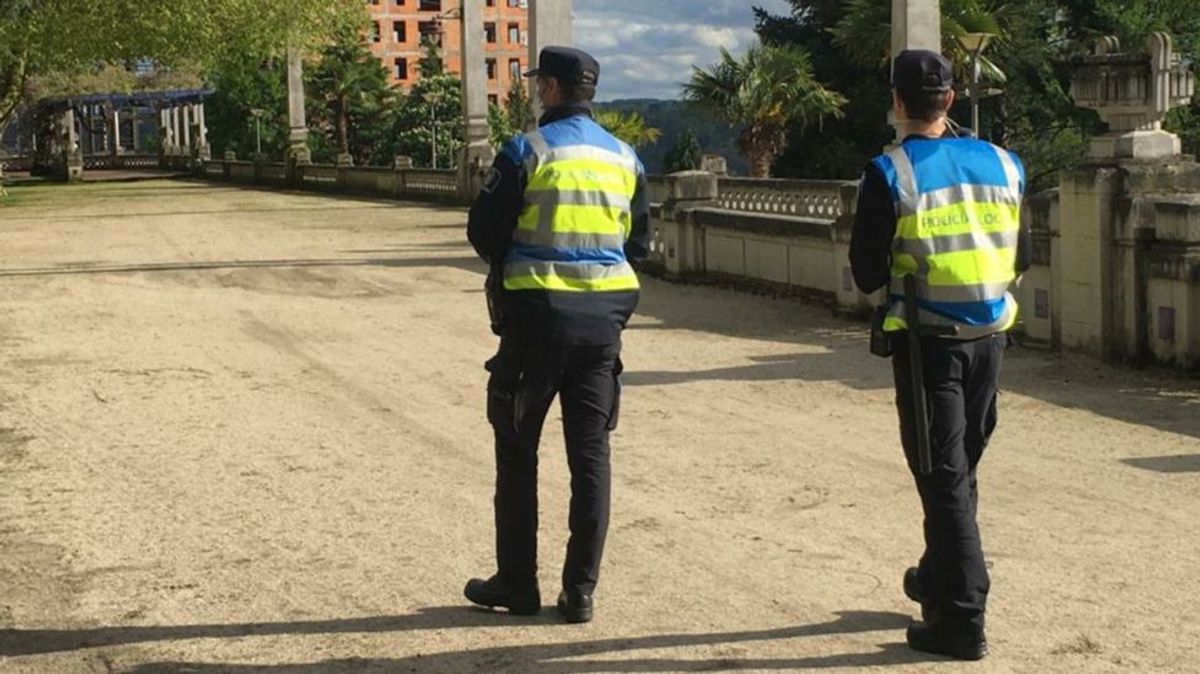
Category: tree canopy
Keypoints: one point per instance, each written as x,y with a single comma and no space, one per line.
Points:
39,38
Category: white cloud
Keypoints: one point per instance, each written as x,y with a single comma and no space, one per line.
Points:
647,48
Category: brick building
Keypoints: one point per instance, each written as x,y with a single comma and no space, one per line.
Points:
399,25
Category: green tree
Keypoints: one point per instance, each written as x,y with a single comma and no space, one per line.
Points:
685,154
628,126
499,126
429,119
349,96
241,86
518,106
766,91
40,37
431,63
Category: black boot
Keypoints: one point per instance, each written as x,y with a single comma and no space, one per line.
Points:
963,642
575,607
914,591
495,592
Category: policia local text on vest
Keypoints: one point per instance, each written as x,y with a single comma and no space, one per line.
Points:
561,214
944,211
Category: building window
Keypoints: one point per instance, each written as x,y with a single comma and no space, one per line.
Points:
491,3
431,5
514,68
402,69
514,33
491,69
489,31
400,31
514,3
493,99
399,3
375,36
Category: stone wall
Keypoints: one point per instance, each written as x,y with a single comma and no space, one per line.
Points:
1116,252
368,181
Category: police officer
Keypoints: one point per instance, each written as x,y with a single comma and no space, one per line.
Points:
561,214
945,210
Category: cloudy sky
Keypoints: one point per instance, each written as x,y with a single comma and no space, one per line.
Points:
646,48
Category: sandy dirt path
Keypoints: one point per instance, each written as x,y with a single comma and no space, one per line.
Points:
243,432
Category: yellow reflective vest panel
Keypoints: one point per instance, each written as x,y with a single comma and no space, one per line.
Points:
958,205
571,234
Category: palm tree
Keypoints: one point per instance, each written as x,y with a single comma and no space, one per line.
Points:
766,92
865,34
628,126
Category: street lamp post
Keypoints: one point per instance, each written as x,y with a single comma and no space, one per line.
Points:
258,113
974,44
433,98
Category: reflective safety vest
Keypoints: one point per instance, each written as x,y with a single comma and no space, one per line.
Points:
958,210
571,234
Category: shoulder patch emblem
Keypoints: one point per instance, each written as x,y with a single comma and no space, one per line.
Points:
492,181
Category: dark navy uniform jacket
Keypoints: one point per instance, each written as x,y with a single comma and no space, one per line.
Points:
563,317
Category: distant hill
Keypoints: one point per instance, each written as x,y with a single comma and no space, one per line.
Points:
672,117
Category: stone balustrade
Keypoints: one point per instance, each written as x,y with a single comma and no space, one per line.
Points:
370,181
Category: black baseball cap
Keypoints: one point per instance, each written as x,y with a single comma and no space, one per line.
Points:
921,70
567,64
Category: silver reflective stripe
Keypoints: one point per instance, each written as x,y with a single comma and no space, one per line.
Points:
906,177
550,199
592,152
1010,169
584,271
964,331
956,243
957,194
569,239
537,142
980,292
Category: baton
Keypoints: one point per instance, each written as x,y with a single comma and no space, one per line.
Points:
916,367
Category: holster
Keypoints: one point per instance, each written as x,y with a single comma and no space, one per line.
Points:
493,289
881,342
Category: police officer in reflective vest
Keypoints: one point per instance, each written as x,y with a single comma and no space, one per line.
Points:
561,214
945,210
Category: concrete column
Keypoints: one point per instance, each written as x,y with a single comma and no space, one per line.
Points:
176,136
186,112
202,132
115,146
478,154
298,152
916,24
550,23
72,153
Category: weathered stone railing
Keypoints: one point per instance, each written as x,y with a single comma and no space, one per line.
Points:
371,181
792,235
801,198
21,163
124,161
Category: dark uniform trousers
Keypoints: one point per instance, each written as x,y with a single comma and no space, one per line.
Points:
525,377
961,378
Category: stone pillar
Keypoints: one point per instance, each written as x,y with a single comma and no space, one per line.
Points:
550,23
176,135
478,153
204,151
916,24
115,146
186,115
72,153
298,152
1098,255
681,238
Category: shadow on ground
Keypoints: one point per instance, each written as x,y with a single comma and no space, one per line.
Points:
1156,398
554,658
